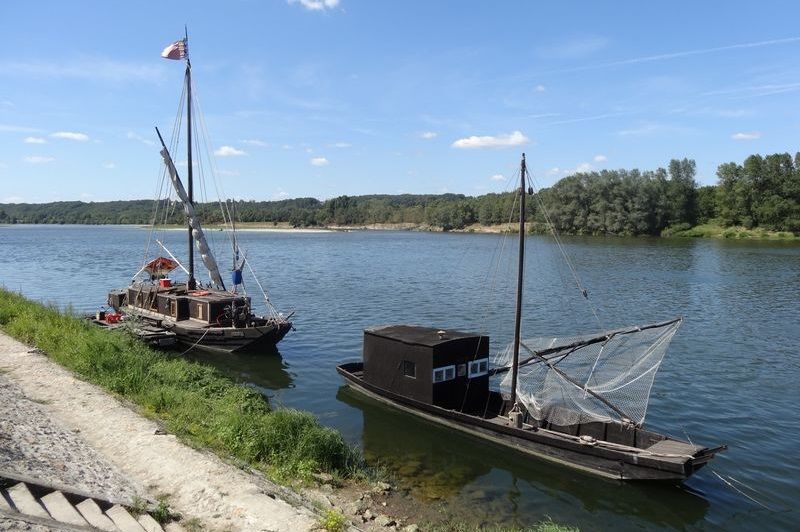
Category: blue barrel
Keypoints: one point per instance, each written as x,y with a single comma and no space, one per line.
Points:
236,277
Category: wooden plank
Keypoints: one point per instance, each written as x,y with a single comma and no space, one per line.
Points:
672,447
149,524
61,510
24,501
94,515
124,521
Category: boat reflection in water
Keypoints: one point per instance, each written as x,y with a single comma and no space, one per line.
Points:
476,480
264,369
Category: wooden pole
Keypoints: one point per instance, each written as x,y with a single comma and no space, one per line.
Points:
520,271
192,282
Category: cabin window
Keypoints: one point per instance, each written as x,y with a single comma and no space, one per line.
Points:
462,370
447,373
478,368
409,369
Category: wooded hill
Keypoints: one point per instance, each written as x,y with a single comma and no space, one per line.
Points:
762,192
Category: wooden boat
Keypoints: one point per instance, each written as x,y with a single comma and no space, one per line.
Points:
204,315
589,424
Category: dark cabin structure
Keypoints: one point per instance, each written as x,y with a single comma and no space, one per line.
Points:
444,368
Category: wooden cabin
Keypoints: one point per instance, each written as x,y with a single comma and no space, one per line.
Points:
443,368
215,307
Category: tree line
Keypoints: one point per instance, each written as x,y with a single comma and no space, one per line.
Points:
763,191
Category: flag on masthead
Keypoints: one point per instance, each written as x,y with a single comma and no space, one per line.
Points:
176,50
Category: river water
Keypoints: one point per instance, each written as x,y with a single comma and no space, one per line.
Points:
731,374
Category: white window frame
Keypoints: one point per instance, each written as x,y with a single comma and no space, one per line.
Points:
478,368
443,371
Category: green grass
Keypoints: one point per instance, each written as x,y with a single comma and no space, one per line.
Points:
333,521
713,230
195,402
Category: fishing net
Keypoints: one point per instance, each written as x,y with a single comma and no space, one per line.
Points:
579,379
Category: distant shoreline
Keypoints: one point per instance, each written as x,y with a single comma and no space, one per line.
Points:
708,230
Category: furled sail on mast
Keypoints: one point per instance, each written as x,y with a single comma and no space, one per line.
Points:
580,379
197,232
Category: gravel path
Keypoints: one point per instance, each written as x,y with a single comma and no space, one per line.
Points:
35,447
199,484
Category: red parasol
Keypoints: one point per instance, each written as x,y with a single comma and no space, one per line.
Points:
160,267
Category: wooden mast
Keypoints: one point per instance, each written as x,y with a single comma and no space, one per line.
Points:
520,271
192,282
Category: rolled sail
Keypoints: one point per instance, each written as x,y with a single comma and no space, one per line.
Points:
197,232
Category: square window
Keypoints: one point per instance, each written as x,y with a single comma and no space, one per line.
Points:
462,370
446,373
478,368
409,369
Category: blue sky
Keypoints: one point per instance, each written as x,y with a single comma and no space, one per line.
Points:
324,97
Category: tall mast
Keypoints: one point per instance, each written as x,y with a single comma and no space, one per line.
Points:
520,271
192,283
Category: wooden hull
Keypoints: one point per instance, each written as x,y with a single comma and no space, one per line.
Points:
231,339
613,463
217,338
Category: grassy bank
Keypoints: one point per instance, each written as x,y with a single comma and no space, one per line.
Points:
195,402
712,230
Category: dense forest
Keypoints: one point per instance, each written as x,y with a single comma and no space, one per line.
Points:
762,192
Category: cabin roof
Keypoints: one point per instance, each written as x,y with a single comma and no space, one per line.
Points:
415,335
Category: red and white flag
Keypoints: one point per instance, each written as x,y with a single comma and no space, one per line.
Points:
176,50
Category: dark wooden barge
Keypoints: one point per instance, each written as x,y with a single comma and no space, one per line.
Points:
215,320
443,376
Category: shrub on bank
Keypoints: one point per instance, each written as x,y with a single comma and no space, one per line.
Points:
193,401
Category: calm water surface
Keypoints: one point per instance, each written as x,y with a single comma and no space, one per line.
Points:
731,375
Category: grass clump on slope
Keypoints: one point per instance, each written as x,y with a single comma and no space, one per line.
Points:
195,402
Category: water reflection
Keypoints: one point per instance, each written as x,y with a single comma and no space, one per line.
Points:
469,479
265,369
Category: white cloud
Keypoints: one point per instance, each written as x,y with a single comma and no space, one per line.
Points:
70,135
583,168
256,142
133,136
229,173
498,177
428,135
34,140
228,151
554,171
600,158
316,5
500,141
38,159
13,199
540,88
753,135
340,145
319,161
109,166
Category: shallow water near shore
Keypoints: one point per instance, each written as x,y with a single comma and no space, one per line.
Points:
730,375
